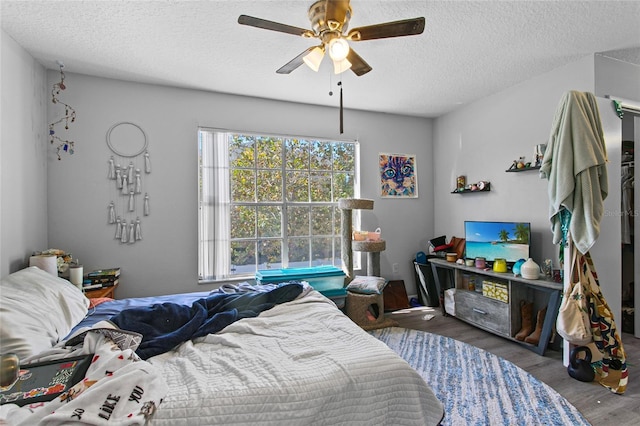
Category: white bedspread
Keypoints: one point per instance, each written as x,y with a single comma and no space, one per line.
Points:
283,369
299,363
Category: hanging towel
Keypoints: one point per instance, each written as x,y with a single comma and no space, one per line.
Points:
575,164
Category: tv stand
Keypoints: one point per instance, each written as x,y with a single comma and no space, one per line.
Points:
497,316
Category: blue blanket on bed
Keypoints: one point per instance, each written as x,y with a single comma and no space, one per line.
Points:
164,326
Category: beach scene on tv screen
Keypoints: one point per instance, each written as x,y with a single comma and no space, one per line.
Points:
497,240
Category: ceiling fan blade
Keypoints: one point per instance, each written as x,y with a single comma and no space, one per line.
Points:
402,28
295,62
273,26
358,65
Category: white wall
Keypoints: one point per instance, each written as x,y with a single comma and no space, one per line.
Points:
23,165
166,260
616,78
481,141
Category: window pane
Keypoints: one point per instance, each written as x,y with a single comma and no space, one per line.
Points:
243,257
320,155
322,251
337,258
337,221
243,184
270,254
321,186
321,220
269,153
298,186
344,156
243,222
342,185
297,221
270,185
241,151
297,154
269,221
298,252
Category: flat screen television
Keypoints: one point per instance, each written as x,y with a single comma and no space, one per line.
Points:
497,240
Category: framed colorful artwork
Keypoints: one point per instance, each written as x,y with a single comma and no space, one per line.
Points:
398,176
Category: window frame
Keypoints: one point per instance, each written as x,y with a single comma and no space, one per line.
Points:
210,240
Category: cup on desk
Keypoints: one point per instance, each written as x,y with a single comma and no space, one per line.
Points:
75,275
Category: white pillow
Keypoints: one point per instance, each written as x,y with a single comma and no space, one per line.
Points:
367,285
37,309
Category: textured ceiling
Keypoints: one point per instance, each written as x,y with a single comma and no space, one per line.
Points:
468,49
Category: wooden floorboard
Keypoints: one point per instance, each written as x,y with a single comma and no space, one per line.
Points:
597,404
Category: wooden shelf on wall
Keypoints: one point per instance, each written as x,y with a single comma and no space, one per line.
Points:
524,169
487,188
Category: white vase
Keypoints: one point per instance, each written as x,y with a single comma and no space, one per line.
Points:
530,270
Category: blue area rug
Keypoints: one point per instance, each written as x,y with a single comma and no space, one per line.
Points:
477,387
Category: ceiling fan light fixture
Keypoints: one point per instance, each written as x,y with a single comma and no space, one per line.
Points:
314,58
341,66
338,49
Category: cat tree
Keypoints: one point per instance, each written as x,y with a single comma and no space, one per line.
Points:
358,305
372,248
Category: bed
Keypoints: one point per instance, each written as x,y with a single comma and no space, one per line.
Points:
299,362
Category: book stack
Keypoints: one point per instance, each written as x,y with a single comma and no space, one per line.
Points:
101,278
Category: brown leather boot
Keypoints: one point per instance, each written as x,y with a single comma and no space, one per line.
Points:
534,338
526,315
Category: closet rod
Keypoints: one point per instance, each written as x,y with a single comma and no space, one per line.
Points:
626,104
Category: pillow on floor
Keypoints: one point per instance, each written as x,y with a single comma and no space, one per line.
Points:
367,285
37,309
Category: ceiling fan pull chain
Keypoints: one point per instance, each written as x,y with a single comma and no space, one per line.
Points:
341,112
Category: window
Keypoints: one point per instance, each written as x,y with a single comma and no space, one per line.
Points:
270,201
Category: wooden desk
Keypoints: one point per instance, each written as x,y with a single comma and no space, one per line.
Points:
101,292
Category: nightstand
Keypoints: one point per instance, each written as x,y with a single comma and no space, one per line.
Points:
101,292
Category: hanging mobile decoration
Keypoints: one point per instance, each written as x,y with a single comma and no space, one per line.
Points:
69,116
118,177
130,172
138,229
147,163
112,213
146,204
123,232
132,201
132,233
118,228
111,174
138,186
124,185
129,145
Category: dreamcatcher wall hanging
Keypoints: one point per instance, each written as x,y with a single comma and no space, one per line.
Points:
127,169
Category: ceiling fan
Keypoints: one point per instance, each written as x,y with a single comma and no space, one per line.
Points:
329,23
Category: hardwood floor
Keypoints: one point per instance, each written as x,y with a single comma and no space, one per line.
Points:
597,404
